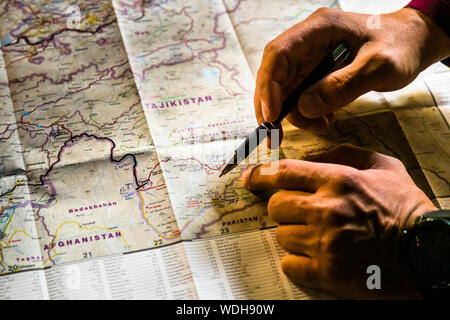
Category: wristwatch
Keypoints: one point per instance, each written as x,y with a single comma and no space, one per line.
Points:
424,254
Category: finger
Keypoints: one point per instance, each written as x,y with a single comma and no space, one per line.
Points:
319,125
269,83
350,155
298,239
300,73
291,175
273,88
340,88
291,57
257,103
292,207
302,270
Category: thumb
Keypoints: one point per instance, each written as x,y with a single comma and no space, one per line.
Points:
339,88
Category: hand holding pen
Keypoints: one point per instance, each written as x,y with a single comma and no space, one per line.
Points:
331,62
387,55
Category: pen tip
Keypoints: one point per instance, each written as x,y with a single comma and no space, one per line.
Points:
227,169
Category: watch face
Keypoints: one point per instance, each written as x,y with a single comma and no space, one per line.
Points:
429,253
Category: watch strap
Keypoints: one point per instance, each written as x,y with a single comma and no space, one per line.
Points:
412,240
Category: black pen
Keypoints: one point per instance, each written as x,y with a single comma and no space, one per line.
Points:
331,62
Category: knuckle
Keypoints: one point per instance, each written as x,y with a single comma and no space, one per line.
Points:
329,15
336,86
337,214
273,48
261,77
321,11
383,60
397,163
276,51
283,171
389,62
264,87
301,204
272,206
325,11
349,180
270,46
274,58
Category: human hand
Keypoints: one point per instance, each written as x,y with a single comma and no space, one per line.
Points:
385,59
340,214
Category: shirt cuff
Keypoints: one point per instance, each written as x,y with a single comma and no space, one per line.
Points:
438,11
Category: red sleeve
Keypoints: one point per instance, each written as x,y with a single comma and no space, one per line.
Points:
438,11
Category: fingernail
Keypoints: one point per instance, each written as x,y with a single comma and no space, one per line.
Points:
309,105
245,175
319,128
264,110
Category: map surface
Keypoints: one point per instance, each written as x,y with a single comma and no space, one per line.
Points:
116,121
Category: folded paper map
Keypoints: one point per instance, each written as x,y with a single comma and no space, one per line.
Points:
116,118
